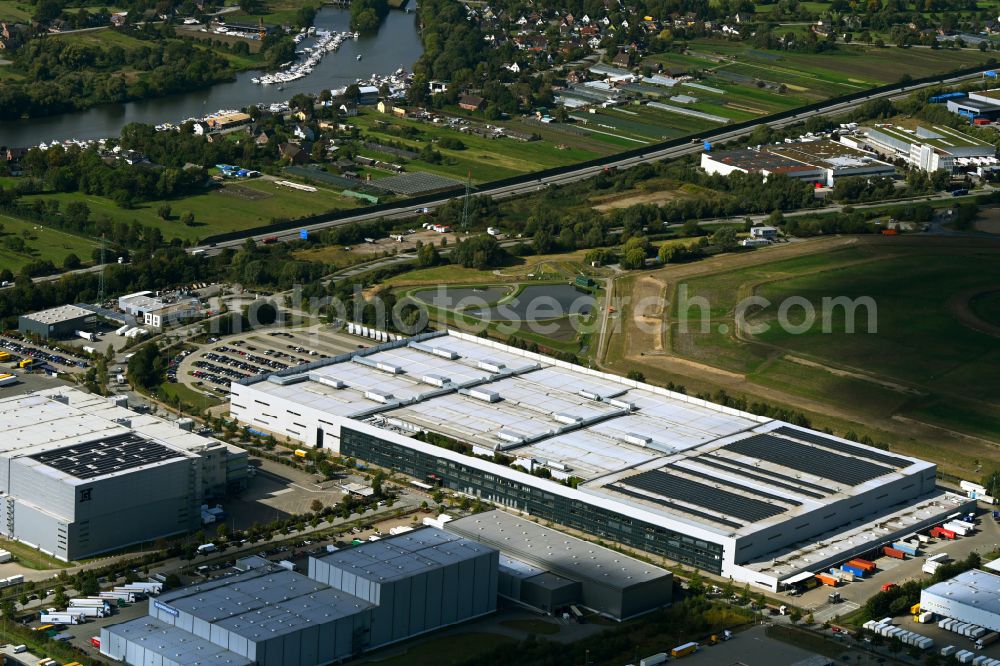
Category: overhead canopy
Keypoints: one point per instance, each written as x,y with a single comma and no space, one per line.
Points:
798,578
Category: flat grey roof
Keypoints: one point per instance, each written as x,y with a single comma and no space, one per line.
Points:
405,554
59,314
977,588
176,644
264,603
555,551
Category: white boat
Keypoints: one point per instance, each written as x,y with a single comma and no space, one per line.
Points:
359,57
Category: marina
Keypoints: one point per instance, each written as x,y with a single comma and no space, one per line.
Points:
395,46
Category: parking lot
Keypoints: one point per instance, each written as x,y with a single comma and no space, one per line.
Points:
44,355
215,365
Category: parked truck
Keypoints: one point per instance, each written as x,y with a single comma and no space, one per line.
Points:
894,552
90,601
61,618
654,660
89,611
988,639
941,532
684,650
827,579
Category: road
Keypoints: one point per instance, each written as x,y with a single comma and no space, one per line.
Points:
406,210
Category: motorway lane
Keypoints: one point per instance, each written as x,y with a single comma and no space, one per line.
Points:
409,210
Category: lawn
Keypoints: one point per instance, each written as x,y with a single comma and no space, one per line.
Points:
199,401
29,557
40,243
539,627
235,206
14,10
446,650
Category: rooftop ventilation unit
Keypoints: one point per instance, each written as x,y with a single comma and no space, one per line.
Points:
510,436
125,422
589,395
637,439
332,382
623,404
490,365
484,395
445,353
288,379
570,419
389,367
379,396
435,380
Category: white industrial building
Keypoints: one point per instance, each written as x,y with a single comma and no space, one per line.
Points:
972,596
930,149
159,312
727,491
821,161
82,475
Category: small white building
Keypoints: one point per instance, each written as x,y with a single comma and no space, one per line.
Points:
768,233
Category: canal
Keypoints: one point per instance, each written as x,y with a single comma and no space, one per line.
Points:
395,45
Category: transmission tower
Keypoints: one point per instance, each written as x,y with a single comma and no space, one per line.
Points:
101,286
465,206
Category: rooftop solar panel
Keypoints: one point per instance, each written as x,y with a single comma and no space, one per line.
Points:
728,466
733,484
106,455
715,499
673,506
843,447
809,459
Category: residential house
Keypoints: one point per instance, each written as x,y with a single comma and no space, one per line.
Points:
13,35
349,109
514,67
823,28
623,59
12,158
471,102
293,153
262,139
303,133
743,18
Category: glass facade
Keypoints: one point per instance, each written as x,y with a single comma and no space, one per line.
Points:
576,514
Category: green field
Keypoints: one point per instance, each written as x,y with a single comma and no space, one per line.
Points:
987,307
444,650
14,10
486,159
921,362
235,206
40,243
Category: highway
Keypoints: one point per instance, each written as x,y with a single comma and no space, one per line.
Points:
405,210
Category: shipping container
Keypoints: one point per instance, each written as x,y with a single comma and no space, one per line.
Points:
940,532
923,538
827,580
906,548
978,632
894,552
930,567
938,557
684,650
858,572
948,650
654,660
965,657
925,617
865,565
979,660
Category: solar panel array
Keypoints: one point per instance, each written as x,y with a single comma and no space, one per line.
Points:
843,447
673,506
715,499
417,183
809,459
734,484
744,470
105,456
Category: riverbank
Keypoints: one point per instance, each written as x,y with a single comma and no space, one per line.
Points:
396,44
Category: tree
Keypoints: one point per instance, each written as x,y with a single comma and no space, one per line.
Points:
71,262
634,259
696,584
636,376
187,217
221,531
316,506
795,615
163,212
725,238
252,6
146,367
427,255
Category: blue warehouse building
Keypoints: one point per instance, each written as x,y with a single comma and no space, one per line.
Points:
351,602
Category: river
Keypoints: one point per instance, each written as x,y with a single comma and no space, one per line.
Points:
396,45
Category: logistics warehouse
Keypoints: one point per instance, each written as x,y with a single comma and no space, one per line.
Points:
729,492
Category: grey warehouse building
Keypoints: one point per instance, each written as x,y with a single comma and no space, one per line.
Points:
547,569
379,593
82,475
61,322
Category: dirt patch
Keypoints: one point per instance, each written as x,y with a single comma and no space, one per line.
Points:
960,305
988,221
240,192
627,199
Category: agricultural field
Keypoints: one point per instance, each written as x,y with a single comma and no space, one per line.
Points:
926,375
40,243
234,206
486,159
15,10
